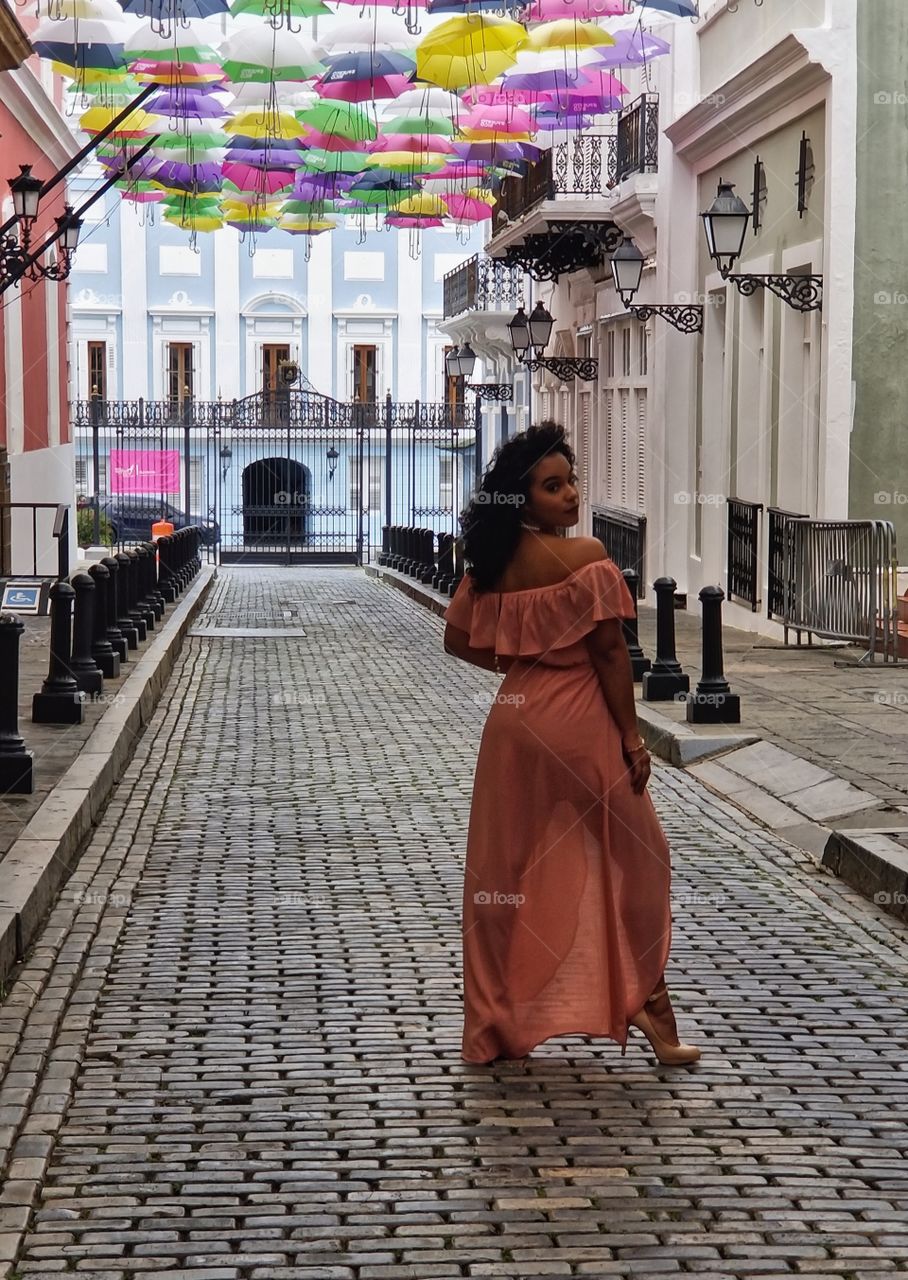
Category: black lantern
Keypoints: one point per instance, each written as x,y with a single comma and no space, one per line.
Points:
69,226
627,269
452,362
26,192
540,326
519,330
332,456
725,223
466,359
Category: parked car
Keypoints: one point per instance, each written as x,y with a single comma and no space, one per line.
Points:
131,516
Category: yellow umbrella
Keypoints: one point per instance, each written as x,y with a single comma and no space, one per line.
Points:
194,221
406,161
136,125
471,48
567,33
300,223
421,206
265,124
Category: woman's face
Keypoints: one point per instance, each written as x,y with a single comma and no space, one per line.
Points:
554,500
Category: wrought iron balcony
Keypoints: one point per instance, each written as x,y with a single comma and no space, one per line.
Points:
585,166
638,137
482,284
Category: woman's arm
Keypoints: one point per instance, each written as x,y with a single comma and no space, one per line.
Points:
457,643
612,663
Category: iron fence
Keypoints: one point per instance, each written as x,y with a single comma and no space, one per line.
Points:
638,137
293,477
743,559
623,534
585,166
482,284
840,581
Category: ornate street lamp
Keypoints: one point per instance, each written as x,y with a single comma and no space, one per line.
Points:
725,224
627,272
531,334
332,455
16,257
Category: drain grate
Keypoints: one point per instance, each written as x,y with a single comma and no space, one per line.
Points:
246,633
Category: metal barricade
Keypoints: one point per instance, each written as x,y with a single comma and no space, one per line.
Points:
840,578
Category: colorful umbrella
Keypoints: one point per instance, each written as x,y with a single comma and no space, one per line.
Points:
467,50
263,55
567,33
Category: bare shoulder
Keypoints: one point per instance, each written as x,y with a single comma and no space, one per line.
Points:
584,551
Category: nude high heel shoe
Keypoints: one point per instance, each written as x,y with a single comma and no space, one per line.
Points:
657,1022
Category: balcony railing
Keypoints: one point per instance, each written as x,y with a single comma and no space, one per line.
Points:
482,284
638,137
623,534
585,166
743,561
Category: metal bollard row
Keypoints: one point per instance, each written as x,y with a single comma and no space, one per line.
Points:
96,618
413,551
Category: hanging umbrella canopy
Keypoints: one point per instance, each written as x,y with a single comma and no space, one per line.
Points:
184,43
259,124
637,46
552,10
554,71
496,121
173,13
338,87
423,126
676,8
264,55
138,124
567,33
82,43
150,71
467,50
247,177
345,118
366,34
184,101
413,144
281,12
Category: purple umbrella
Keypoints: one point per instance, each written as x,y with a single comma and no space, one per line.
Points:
276,158
493,152
631,46
189,177
185,100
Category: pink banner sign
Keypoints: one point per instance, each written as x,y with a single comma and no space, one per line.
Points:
144,471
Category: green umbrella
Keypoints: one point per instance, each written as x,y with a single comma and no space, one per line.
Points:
345,119
426,125
280,10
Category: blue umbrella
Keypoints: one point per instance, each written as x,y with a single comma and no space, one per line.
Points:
474,6
171,11
677,8
367,64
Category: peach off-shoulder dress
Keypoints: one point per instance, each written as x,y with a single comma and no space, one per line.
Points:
566,910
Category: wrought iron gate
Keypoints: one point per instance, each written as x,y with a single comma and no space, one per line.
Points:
287,477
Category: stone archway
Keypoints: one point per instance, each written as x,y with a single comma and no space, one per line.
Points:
276,493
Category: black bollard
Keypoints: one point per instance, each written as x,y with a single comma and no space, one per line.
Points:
116,637
426,570
125,620
665,680
713,701
142,602
385,544
639,661
102,650
167,584
16,777
130,565
144,607
445,571
152,594
60,700
87,674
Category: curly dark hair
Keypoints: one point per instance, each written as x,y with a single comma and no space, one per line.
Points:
490,522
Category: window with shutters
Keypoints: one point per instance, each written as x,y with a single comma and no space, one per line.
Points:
195,486
644,350
626,351
610,353
179,374
641,449
624,429
97,370
585,446
373,480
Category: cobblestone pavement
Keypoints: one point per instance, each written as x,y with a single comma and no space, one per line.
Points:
235,1053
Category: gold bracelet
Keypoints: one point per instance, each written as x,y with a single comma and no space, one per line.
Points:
640,745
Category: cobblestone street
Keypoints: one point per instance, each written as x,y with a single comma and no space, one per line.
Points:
236,1046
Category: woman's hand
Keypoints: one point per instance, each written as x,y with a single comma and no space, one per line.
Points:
639,767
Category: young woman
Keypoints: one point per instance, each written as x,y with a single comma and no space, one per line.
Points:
566,914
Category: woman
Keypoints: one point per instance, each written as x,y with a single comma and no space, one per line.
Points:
566,915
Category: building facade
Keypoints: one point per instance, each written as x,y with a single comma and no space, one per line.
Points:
36,453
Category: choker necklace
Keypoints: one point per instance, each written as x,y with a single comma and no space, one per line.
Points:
535,527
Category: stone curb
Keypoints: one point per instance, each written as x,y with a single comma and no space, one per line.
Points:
40,860
800,804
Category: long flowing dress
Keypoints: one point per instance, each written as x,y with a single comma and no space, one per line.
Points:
566,910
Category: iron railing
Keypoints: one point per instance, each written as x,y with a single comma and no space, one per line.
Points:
623,534
482,284
638,137
585,166
840,581
777,588
743,565
296,476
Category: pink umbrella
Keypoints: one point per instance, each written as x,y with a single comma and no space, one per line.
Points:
364,90
468,208
333,142
413,143
549,10
263,181
499,95
400,220
500,119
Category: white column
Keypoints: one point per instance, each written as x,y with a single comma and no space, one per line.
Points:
228,361
134,293
52,320
408,382
319,366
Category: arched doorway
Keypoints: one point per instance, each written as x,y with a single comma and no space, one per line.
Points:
276,496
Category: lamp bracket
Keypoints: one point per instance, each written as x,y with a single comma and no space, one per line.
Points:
686,318
563,247
802,293
566,368
492,390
